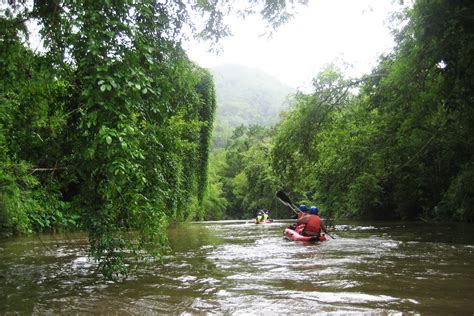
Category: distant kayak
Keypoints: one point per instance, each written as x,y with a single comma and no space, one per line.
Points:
291,234
265,222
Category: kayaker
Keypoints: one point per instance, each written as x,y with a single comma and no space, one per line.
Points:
260,216
266,215
313,223
303,209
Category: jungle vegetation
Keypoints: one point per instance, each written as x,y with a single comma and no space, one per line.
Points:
395,144
107,126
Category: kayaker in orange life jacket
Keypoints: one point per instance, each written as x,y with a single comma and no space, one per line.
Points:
313,223
302,211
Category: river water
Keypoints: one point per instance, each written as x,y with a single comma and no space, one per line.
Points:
242,268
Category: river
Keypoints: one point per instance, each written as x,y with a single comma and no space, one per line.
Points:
235,267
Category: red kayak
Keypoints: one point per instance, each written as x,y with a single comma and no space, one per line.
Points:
265,222
295,234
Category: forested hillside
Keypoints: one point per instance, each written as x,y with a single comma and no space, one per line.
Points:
246,96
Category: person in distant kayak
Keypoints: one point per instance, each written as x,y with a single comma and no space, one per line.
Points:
263,216
313,223
260,216
266,215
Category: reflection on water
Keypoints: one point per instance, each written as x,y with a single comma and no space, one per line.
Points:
243,268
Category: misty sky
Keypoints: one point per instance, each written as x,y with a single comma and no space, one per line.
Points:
355,31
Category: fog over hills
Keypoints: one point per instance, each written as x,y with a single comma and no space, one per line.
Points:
248,96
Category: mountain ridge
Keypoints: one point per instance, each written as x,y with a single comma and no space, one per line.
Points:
248,96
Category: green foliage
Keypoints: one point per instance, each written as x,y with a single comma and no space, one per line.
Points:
15,198
31,133
364,196
297,134
25,206
214,203
107,129
206,116
248,179
458,201
222,133
422,102
401,147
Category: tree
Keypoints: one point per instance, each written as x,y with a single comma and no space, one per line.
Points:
121,114
400,148
248,179
297,134
424,104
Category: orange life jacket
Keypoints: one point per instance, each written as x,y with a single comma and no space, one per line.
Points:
313,225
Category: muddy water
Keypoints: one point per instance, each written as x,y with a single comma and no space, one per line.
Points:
242,268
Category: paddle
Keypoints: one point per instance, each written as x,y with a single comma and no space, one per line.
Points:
330,236
286,201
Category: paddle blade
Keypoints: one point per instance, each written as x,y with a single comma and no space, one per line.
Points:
282,196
